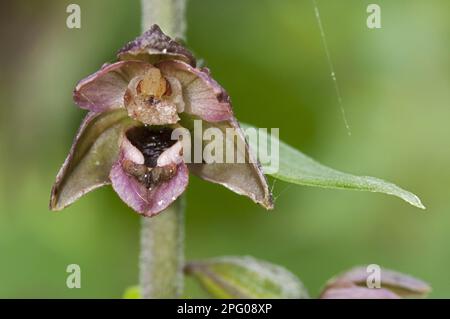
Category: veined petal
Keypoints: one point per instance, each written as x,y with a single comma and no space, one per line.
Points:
244,178
154,46
91,156
130,180
105,88
245,277
203,96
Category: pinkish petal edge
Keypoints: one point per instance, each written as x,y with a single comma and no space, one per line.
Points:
402,283
105,89
242,178
90,158
153,46
203,96
355,292
142,200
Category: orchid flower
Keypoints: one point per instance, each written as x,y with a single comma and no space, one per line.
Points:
126,139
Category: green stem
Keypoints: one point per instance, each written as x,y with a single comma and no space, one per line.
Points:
162,256
168,14
162,237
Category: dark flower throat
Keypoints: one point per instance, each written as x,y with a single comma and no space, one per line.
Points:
152,143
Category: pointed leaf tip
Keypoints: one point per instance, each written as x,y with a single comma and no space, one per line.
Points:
297,168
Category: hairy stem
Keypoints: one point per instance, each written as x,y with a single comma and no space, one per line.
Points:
162,237
168,14
162,256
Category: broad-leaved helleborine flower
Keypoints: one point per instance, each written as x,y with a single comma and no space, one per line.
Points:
126,138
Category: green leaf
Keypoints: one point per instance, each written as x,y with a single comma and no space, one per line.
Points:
132,292
245,277
297,168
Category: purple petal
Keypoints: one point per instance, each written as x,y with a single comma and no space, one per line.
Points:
402,284
147,202
154,46
203,96
242,178
105,88
93,152
355,292
397,283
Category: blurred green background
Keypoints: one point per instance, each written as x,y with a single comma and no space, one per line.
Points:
394,83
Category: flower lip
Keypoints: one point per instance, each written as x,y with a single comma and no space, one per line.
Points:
146,188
